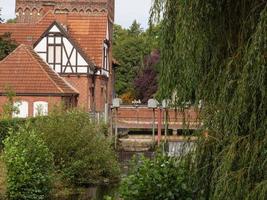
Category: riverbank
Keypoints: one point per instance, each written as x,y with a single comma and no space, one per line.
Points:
62,191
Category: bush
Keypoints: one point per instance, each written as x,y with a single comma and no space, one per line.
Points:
82,153
29,166
161,178
7,125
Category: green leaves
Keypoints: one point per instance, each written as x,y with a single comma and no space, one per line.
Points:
130,47
29,166
82,153
160,178
215,51
7,45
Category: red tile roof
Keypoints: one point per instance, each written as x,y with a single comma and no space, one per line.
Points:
89,31
26,73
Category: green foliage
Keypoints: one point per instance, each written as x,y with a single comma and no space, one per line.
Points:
11,21
1,19
7,125
160,178
82,153
29,166
130,47
9,108
7,45
215,51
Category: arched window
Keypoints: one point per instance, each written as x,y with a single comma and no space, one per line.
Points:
74,10
88,11
34,12
40,108
21,109
27,15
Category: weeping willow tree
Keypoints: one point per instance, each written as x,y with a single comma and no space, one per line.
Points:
216,51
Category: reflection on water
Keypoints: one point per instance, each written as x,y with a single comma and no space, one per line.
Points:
179,148
98,193
92,193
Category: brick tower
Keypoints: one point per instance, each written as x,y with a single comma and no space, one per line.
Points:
30,11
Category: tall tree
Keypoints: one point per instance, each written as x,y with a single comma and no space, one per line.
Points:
146,83
7,45
215,51
1,20
135,29
130,47
129,50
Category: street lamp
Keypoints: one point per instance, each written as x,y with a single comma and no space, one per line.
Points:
165,106
153,104
116,104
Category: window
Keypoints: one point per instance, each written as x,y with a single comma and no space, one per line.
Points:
50,54
40,108
58,54
21,109
105,57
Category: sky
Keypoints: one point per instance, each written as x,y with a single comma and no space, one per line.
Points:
126,11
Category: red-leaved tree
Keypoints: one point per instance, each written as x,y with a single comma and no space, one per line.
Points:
146,83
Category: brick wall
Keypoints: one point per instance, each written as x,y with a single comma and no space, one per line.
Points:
142,117
30,11
101,93
52,101
84,85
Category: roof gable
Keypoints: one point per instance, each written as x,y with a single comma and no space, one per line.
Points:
70,58
88,31
26,73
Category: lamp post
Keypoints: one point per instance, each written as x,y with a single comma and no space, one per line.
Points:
152,103
165,105
159,125
115,105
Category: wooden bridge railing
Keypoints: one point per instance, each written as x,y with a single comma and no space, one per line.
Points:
142,117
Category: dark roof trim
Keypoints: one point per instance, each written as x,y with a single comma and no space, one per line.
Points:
65,34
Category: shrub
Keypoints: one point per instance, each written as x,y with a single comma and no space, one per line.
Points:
7,125
29,166
160,178
82,153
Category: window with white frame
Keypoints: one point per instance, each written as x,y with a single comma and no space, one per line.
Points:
105,57
21,109
40,108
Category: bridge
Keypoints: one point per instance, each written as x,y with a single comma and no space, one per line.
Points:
141,117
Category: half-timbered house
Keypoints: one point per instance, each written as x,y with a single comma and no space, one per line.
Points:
73,40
